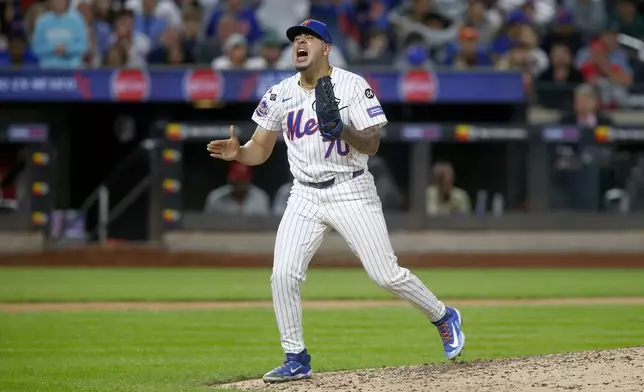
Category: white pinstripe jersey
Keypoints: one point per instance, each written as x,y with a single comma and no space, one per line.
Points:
288,108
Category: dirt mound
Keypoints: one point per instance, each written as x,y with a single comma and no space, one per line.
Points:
620,370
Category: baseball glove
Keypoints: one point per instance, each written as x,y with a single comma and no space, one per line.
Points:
326,109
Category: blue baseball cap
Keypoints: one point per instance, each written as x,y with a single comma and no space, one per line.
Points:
416,55
518,17
310,26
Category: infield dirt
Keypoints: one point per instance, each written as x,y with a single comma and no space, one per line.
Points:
620,370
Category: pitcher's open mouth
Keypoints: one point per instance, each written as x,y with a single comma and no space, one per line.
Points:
302,54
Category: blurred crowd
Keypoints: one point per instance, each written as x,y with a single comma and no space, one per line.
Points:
558,41
241,196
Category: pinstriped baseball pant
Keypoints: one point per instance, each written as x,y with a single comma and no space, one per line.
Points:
354,210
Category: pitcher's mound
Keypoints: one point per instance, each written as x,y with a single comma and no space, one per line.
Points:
620,370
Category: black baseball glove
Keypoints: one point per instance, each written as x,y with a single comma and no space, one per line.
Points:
327,110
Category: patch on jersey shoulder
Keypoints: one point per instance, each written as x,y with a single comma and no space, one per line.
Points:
262,109
369,93
375,111
273,97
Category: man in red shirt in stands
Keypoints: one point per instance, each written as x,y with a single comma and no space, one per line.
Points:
612,79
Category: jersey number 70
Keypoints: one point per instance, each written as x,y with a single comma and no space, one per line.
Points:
341,147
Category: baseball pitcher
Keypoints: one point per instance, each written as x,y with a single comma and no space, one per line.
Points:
330,119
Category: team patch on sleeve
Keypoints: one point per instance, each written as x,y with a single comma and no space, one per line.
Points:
262,109
375,111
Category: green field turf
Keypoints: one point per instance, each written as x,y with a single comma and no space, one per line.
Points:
103,284
175,351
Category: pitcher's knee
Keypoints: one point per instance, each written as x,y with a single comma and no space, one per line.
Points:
390,279
286,280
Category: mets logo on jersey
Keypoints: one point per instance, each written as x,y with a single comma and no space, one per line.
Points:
262,109
295,128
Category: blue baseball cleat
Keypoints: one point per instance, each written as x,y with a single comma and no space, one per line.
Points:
450,330
296,367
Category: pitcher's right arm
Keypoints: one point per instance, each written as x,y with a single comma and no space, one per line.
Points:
259,148
268,116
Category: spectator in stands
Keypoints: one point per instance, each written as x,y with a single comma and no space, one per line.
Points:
586,109
573,181
630,22
340,21
509,34
172,50
588,17
137,45
236,57
414,57
516,59
526,55
413,11
116,56
10,18
468,53
18,52
377,51
165,9
539,12
443,198
367,17
560,76
191,29
451,9
240,196
609,45
275,14
352,20
400,56
102,10
146,21
439,30
604,64
243,14
270,51
98,32
93,57
60,37
562,31
537,57
34,13
486,22
208,48
422,19
561,70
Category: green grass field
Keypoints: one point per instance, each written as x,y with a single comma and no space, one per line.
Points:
69,284
163,351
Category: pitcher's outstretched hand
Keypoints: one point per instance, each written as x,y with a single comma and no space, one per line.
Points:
227,149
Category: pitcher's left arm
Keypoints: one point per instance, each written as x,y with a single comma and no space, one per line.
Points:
366,117
366,141
365,114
